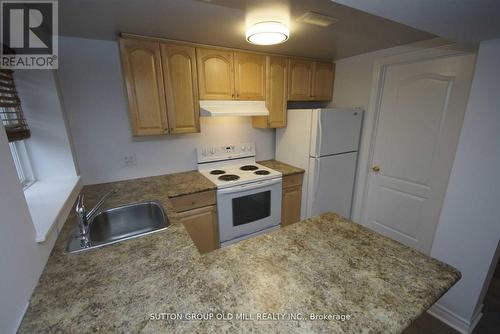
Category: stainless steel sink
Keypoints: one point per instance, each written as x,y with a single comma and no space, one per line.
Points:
121,223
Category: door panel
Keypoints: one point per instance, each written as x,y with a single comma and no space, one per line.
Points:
215,74
290,205
331,182
250,76
322,89
201,225
421,112
300,81
181,88
141,62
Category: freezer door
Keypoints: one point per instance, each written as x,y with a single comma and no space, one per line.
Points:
335,131
331,183
292,142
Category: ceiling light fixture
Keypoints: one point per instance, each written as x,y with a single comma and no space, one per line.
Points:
267,33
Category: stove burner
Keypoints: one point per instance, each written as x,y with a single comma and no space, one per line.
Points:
217,172
262,172
228,177
249,167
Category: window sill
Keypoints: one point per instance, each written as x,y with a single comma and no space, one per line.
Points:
47,200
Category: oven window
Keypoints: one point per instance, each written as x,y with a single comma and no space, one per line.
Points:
250,208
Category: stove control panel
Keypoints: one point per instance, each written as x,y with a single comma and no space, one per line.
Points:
225,152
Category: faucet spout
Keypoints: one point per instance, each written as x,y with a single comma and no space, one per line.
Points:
99,204
85,218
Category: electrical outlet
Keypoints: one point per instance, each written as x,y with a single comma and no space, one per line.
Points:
130,160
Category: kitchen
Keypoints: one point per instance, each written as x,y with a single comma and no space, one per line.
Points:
134,112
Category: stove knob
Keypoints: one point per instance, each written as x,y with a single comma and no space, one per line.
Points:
212,150
204,152
243,148
249,147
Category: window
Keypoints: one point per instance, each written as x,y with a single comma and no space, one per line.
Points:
22,162
12,118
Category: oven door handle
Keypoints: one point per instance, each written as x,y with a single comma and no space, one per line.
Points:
250,186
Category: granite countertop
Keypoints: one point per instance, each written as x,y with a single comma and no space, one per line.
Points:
322,265
282,167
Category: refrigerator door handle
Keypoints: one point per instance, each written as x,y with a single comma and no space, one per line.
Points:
316,178
319,134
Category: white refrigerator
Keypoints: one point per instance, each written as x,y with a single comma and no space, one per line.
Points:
324,142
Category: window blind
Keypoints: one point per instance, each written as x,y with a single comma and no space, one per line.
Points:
10,108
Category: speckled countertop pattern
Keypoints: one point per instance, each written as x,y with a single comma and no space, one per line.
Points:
322,265
282,167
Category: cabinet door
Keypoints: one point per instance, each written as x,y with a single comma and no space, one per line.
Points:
250,76
276,97
300,81
276,94
181,88
215,74
142,70
290,205
201,225
323,81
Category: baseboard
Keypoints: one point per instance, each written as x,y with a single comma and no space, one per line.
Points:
21,317
453,320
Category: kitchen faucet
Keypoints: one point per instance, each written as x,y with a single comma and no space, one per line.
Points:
85,218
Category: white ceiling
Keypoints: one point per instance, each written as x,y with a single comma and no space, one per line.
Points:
222,22
466,21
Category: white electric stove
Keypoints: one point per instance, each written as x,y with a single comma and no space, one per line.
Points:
248,194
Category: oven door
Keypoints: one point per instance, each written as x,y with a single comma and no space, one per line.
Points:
249,208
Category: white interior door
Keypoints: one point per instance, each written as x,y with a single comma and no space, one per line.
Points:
421,109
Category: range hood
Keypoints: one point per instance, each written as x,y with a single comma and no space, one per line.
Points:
216,108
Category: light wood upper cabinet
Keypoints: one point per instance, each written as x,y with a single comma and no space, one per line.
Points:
250,76
300,81
215,74
181,87
142,70
310,80
323,76
276,94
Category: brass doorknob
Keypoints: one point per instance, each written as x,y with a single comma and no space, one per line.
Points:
376,169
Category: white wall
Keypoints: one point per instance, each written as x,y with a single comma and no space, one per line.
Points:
49,146
95,101
469,228
21,259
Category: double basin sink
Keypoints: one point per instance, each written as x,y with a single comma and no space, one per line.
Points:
120,223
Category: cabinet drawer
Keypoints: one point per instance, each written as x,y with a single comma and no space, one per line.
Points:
193,201
292,180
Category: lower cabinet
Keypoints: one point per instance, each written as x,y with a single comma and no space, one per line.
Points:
291,200
198,213
201,225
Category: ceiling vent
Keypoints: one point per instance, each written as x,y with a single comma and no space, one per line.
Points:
317,19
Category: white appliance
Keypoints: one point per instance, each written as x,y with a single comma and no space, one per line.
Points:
248,194
233,108
324,142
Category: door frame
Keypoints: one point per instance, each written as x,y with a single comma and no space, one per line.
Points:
428,50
